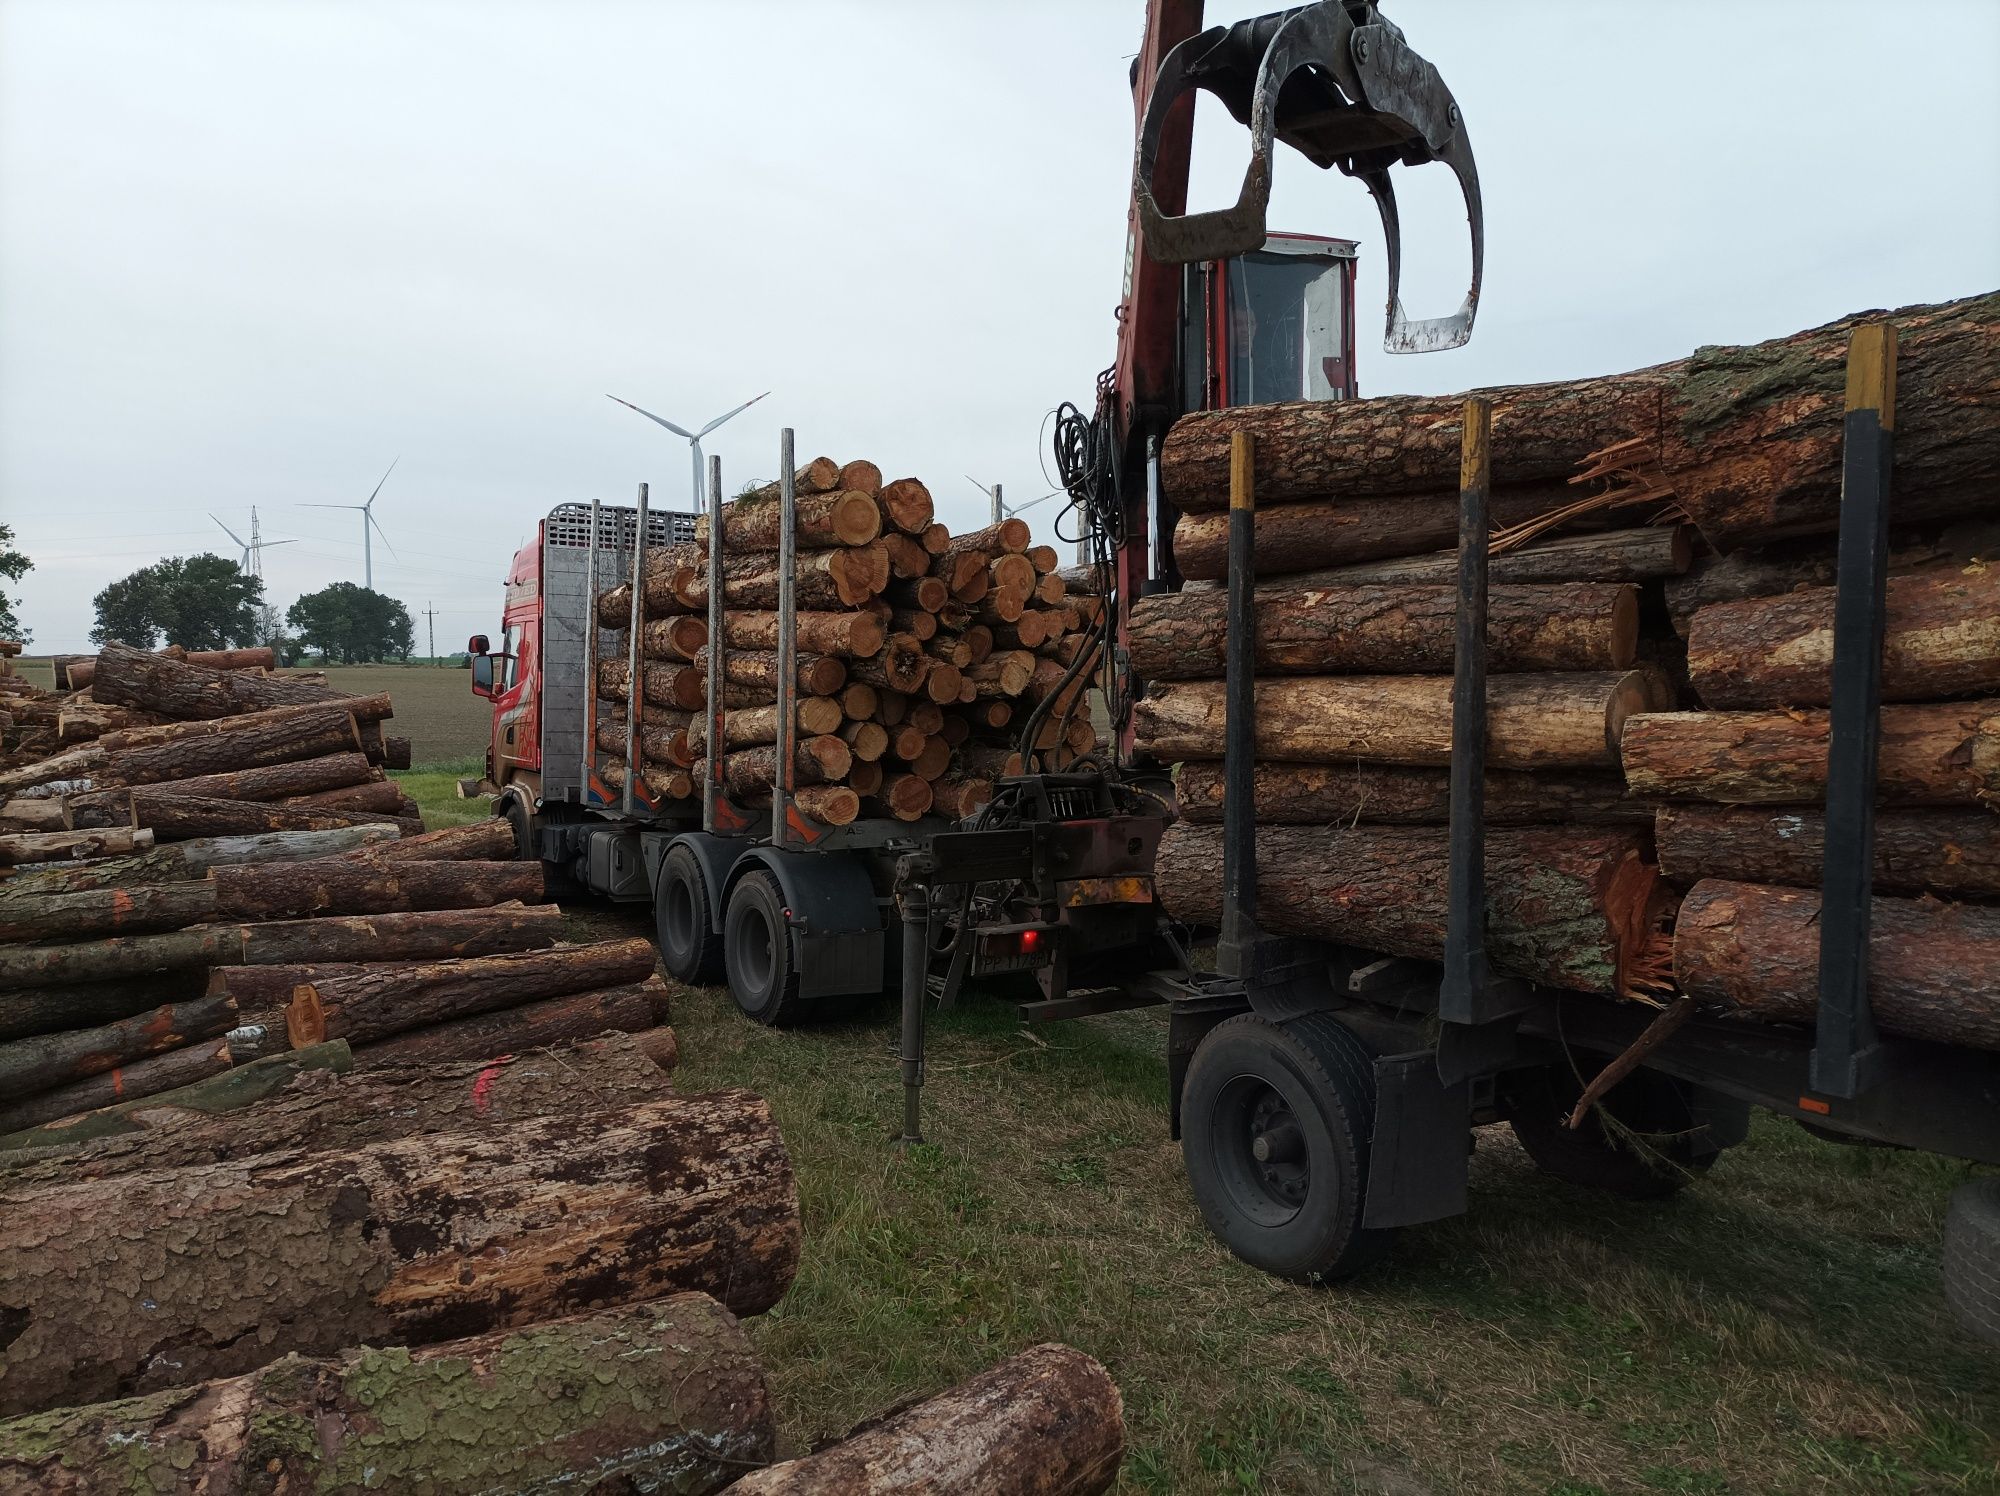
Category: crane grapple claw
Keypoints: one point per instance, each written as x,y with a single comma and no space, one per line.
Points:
1338,83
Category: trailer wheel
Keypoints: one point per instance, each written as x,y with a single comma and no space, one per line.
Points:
689,945
1276,1124
758,952
514,811
1972,1257
1647,1152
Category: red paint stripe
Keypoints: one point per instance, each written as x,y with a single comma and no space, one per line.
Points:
482,1088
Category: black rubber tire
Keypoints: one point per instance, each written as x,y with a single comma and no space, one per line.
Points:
758,952
517,815
1972,1257
690,947
1310,1086
1646,1103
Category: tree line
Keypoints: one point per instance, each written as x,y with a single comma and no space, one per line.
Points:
210,602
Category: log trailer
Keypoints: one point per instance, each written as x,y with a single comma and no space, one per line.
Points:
1324,1096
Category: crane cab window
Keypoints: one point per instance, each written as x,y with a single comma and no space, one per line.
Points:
1269,326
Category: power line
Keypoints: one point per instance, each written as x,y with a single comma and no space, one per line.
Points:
430,617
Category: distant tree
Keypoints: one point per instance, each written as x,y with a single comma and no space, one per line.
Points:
197,602
349,624
274,636
13,566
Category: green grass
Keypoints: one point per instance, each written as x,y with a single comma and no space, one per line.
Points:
434,786
1778,1328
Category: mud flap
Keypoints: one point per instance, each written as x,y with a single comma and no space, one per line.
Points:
1419,1159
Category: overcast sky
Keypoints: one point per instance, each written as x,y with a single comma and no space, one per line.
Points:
251,252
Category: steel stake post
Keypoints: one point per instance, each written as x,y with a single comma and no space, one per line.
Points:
635,658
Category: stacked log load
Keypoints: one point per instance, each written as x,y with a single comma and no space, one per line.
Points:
921,654
1660,642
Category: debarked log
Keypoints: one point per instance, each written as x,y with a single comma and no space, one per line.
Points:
409,1242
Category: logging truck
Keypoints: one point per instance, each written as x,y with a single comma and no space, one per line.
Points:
1325,1082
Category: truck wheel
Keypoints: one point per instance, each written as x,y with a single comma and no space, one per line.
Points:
688,942
758,952
516,815
1276,1123
1972,1257
1646,1105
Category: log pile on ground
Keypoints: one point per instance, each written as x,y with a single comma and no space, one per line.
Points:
1660,641
921,655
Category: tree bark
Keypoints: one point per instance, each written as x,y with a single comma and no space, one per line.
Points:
1933,969
477,841
825,580
105,911
175,688
338,886
1565,906
179,862
1533,721
72,846
47,1010
1955,853
542,1024
1607,556
271,782
143,1077
818,675
900,665
192,817
672,1398
821,475
47,814
841,517
907,797
309,735
1307,536
361,708
1941,638
410,1242
1393,630
850,635
382,797
109,1139
1382,794
375,1004
757,725
1749,439
959,797
1046,1422
754,771
44,1061
1009,537
1938,753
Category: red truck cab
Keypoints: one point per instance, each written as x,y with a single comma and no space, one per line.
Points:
511,677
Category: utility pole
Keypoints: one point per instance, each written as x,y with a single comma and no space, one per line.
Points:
999,509
431,617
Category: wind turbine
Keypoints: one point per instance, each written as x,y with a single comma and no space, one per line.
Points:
694,439
253,548
1007,511
368,521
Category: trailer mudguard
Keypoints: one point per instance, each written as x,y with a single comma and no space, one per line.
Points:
1419,1160
833,914
717,856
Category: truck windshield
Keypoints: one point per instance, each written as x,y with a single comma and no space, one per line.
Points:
1284,329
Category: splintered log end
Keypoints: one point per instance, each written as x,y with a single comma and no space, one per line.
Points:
305,1018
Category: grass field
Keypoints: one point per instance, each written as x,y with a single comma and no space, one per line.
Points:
1776,1329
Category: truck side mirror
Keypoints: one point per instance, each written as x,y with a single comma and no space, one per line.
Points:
478,645
482,671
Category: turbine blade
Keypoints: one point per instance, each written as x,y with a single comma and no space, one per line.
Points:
385,478
329,506
384,534
267,544
720,419
677,431
231,533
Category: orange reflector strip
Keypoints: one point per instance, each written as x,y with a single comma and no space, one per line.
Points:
1814,1104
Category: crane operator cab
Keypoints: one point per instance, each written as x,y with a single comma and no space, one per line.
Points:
1275,324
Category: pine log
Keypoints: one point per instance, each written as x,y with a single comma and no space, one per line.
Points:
661,684
850,635
818,675
1938,753
825,580
867,741
891,707
372,1005
943,683
925,594
1569,721
813,715
935,538
1950,852
378,797
1565,906
543,1024
675,1400
1749,439
86,844
306,736
829,804
175,688
839,517
78,763
408,1242
1933,969
1941,638
931,758
1046,1422
964,572
179,862
908,559
191,817
1082,579
48,1010
1393,630
1001,605
1014,572
259,989
959,797
1009,537
1305,537
48,813
907,797
112,1139
821,475
121,1083
915,622
675,638
752,772
33,915
898,664
361,708
865,778
271,782
477,841
1607,556
860,475
1002,673
659,745
41,1062
1385,794
907,504
663,784
339,886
